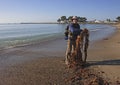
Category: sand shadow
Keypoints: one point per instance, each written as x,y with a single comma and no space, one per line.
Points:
95,63
105,62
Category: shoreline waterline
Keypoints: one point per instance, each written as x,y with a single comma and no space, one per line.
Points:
97,32
50,46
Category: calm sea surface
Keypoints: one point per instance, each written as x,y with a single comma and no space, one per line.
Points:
20,34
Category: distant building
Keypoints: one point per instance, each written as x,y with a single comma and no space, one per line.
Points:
97,21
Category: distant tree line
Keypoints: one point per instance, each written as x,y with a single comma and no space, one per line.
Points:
118,18
64,19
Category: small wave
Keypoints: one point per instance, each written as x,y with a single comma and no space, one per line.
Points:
94,30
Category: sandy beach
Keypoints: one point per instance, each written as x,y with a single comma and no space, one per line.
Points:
105,56
43,63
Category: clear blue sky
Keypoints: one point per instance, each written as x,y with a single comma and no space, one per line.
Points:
51,10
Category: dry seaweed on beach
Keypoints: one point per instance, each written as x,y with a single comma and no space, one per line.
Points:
85,76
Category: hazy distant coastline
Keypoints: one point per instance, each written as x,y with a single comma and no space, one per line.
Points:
33,23
39,23
58,23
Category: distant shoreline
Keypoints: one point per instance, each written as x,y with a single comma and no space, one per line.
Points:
40,23
32,23
55,23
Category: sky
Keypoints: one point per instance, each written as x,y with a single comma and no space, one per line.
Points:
16,11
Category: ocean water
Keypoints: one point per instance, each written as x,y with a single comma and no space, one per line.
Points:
99,31
21,34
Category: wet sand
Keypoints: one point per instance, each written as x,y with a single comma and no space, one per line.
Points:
43,63
105,56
